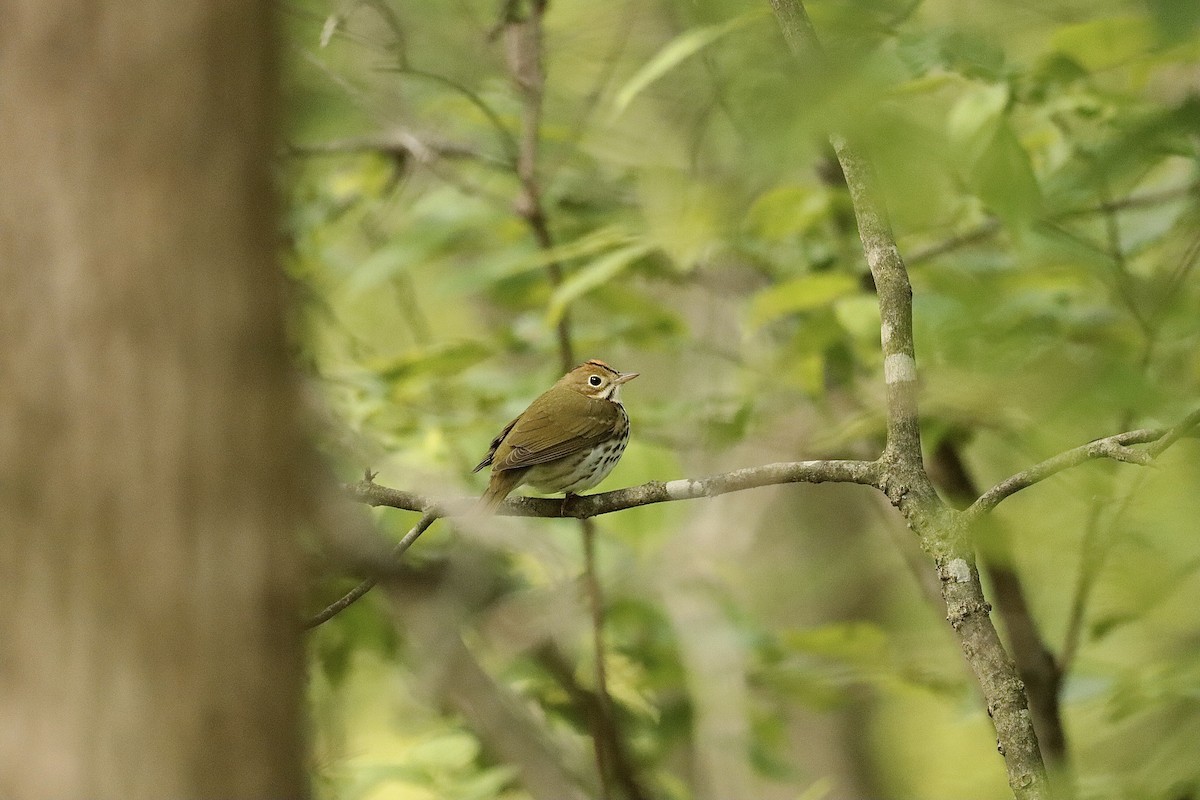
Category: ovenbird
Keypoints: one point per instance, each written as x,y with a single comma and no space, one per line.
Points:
568,440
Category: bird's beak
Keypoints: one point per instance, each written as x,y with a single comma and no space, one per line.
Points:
625,377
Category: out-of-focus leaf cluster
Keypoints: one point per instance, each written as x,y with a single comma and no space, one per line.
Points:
1040,166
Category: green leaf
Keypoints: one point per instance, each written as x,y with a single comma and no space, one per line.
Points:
859,315
1175,20
972,123
862,643
487,784
592,276
805,293
442,359
589,244
1003,178
786,211
687,216
676,51
1103,43
453,751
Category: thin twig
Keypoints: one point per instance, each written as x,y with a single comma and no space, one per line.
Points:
605,735
991,226
1174,434
563,673
506,138
985,230
1088,567
351,597
396,143
1115,447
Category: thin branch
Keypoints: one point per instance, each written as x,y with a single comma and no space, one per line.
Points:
1096,547
397,143
992,225
506,138
981,232
605,735
1174,434
563,673
867,473
1148,200
351,597
523,48
1115,447
1089,563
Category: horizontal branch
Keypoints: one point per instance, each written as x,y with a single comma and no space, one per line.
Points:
867,473
992,225
1117,448
397,143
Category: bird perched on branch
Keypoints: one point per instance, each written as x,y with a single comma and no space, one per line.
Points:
568,440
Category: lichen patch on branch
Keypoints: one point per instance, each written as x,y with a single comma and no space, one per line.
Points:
899,368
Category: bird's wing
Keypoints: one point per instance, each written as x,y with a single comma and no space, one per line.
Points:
491,453
578,423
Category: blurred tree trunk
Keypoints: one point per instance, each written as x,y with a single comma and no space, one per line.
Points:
149,645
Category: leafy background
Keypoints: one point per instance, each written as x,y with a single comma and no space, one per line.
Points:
1040,164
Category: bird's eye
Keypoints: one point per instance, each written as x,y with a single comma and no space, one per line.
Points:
595,380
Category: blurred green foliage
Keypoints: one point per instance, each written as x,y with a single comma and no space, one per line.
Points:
1040,164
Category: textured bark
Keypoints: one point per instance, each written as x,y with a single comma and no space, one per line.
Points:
148,459
943,532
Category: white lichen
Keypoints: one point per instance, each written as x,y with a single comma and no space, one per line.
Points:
684,489
958,571
899,368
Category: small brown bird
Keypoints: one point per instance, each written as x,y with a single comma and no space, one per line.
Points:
568,440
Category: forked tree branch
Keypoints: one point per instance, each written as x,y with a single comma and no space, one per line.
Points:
866,473
944,534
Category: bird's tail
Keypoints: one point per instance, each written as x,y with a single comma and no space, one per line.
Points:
500,485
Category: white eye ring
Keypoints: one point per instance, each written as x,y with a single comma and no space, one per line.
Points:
595,380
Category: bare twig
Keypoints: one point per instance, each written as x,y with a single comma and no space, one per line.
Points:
563,673
1089,564
506,138
1147,200
981,232
991,226
605,733
523,47
1174,434
1115,447
351,597
397,143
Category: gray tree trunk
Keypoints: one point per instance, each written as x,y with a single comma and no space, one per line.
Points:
149,576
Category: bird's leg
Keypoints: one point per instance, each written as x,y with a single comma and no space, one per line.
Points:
567,498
